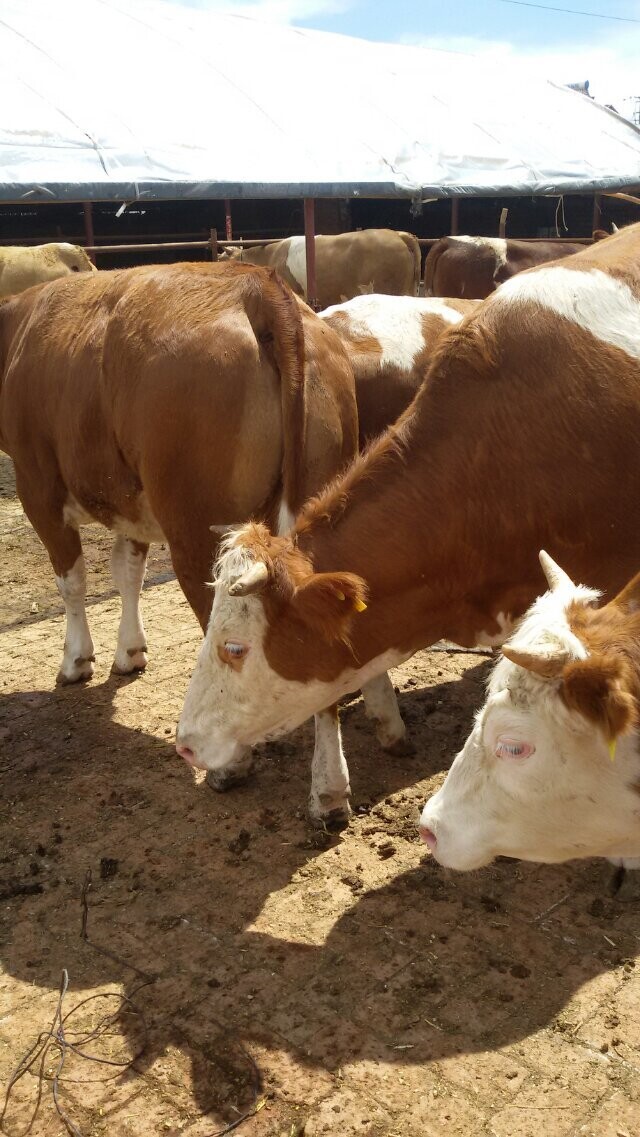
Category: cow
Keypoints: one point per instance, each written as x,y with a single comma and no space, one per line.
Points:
551,769
160,401
20,267
473,267
389,341
347,264
523,435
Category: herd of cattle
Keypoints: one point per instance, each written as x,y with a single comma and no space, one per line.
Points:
207,406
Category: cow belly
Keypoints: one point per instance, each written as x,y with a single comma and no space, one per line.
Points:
143,528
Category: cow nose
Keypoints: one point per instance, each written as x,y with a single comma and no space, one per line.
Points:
187,753
428,836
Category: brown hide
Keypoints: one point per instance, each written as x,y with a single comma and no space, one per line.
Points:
385,386
469,267
605,687
165,399
22,267
349,264
523,436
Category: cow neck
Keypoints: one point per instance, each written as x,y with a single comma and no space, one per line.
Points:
413,518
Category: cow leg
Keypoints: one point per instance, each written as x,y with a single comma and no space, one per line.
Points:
128,565
330,789
78,657
43,505
381,705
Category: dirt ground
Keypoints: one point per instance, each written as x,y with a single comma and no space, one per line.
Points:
341,985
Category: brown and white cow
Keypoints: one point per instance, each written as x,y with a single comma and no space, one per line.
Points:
473,267
524,435
347,264
162,400
551,769
389,341
20,267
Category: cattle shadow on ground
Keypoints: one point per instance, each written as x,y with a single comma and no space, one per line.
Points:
438,717
423,967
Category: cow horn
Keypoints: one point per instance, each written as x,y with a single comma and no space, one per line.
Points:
548,664
556,577
252,580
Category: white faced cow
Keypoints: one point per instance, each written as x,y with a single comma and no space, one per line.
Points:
551,769
523,435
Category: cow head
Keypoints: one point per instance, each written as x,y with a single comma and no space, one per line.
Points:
276,649
75,258
230,253
551,769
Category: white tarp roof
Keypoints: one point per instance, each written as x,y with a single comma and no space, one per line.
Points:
119,99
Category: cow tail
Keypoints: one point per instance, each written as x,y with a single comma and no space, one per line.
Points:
281,333
430,266
414,248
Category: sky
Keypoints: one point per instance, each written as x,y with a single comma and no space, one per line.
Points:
566,46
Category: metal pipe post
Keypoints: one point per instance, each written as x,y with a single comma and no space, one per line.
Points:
310,250
87,209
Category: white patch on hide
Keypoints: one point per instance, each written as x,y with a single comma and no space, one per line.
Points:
144,529
285,519
497,244
395,321
506,625
74,515
593,300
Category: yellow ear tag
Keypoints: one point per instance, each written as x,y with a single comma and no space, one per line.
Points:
359,605
611,747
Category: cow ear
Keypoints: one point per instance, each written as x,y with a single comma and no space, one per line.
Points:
327,602
596,687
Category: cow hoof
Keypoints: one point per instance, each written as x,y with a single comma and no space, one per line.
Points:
79,672
127,662
223,780
401,748
334,818
333,822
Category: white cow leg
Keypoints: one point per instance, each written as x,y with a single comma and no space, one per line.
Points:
128,565
78,657
330,789
381,705
625,862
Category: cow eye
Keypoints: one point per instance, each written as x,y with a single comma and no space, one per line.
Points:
235,650
513,748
